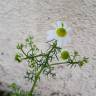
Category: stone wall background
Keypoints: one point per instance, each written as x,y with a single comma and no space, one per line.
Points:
21,18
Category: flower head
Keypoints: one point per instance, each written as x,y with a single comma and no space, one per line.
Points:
65,55
61,32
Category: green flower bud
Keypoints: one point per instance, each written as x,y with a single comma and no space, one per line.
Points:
81,63
65,55
20,46
18,57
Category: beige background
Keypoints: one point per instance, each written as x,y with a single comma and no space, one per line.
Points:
20,18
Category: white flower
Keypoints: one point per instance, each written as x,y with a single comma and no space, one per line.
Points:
61,32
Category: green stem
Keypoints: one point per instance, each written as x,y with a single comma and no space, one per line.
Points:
39,72
60,63
30,57
36,79
23,52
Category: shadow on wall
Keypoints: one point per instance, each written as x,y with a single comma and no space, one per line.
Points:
4,90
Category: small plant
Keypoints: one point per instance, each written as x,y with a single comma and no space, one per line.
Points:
43,62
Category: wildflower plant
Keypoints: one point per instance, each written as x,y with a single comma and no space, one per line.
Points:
43,62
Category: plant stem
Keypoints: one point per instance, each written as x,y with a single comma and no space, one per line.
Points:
40,71
60,63
36,79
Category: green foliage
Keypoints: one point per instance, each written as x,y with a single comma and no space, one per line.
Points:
40,62
75,59
17,91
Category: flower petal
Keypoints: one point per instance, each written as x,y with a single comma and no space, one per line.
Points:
59,42
70,31
51,35
66,40
65,25
59,23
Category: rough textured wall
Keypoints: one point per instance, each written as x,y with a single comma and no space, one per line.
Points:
20,18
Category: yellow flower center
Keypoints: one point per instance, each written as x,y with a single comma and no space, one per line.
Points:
61,32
